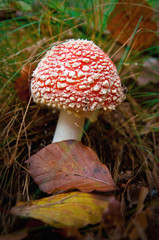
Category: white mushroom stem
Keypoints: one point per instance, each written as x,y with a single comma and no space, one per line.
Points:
68,127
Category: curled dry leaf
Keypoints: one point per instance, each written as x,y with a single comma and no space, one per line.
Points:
69,165
22,83
132,193
124,19
73,209
145,225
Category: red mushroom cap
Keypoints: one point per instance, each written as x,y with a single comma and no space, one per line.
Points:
77,75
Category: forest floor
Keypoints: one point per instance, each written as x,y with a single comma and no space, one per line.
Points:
126,140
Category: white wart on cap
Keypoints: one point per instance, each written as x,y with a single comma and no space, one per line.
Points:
77,75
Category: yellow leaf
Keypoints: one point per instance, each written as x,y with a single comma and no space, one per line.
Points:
75,209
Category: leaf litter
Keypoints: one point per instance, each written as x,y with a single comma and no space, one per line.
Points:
63,210
22,83
69,165
123,139
125,17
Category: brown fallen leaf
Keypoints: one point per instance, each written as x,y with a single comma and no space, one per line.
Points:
124,19
153,226
69,165
137,227
145,225
73,209
22,83
132,193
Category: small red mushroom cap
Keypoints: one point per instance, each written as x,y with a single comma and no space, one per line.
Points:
77,75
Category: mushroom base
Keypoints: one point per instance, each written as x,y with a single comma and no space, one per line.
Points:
68,127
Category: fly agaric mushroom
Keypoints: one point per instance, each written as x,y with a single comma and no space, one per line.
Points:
77,77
